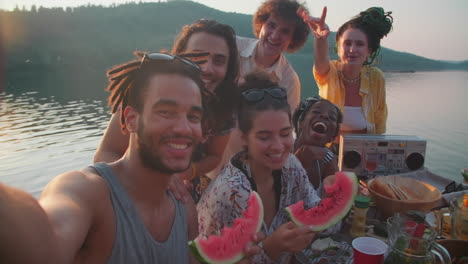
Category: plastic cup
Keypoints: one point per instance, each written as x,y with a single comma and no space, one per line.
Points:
368,250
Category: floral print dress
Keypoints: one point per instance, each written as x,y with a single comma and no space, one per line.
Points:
226,199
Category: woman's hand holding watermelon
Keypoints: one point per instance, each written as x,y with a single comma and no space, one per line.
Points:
329,180
288,238
252,249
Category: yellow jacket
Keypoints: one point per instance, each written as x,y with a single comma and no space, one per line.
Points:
372,92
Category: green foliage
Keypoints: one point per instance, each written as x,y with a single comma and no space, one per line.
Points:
73,47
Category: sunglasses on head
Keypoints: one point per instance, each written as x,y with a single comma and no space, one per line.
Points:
307,103
256,95
167,57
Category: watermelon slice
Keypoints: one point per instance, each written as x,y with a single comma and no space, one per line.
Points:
330,210
229,246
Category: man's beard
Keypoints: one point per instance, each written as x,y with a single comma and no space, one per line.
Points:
149,158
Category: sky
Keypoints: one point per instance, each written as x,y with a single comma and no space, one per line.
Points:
435,29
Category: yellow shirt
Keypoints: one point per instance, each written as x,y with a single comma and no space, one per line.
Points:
372,92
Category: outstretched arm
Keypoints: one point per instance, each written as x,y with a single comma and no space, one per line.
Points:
114,142
49,231
321,33
25,232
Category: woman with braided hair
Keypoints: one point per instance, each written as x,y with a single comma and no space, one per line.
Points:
212,46
316,123
352,83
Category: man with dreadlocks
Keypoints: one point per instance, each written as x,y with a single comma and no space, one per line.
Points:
119,212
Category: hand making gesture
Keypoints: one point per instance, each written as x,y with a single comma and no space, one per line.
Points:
317,25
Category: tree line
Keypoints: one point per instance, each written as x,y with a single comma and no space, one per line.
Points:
72,47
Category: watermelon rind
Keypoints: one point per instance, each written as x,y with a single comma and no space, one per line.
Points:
337,217
195,251
204,257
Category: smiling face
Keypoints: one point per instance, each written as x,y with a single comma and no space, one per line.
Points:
319,125
214,70
169,127
353,47
270,140
275,36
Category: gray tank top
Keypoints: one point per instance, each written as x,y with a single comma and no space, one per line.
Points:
133,243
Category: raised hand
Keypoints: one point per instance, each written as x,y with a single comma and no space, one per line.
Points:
317,25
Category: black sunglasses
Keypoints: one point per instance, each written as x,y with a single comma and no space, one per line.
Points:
307,103
168,57
256,95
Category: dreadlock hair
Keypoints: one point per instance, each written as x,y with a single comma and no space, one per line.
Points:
375,23
306,105
284,9
247,110
128,81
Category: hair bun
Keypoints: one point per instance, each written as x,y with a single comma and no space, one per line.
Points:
378,20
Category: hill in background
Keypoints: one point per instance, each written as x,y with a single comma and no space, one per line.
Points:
71,48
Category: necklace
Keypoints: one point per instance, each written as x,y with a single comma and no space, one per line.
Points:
350,80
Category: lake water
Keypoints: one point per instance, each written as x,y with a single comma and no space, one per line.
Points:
42,136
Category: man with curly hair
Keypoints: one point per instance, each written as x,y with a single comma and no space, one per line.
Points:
278,29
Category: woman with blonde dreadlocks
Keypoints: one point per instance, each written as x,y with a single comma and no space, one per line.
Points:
351,82
212,45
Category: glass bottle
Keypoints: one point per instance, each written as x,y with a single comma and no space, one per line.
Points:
358,225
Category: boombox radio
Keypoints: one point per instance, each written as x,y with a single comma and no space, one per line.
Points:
370,155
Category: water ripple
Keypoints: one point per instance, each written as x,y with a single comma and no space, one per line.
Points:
41,137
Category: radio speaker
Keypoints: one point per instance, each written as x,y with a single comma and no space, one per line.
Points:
366,154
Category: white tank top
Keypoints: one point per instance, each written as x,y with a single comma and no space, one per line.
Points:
353,119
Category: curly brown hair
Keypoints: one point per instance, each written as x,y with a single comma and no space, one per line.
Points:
285,9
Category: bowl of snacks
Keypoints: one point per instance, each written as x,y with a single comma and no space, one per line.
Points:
395,194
